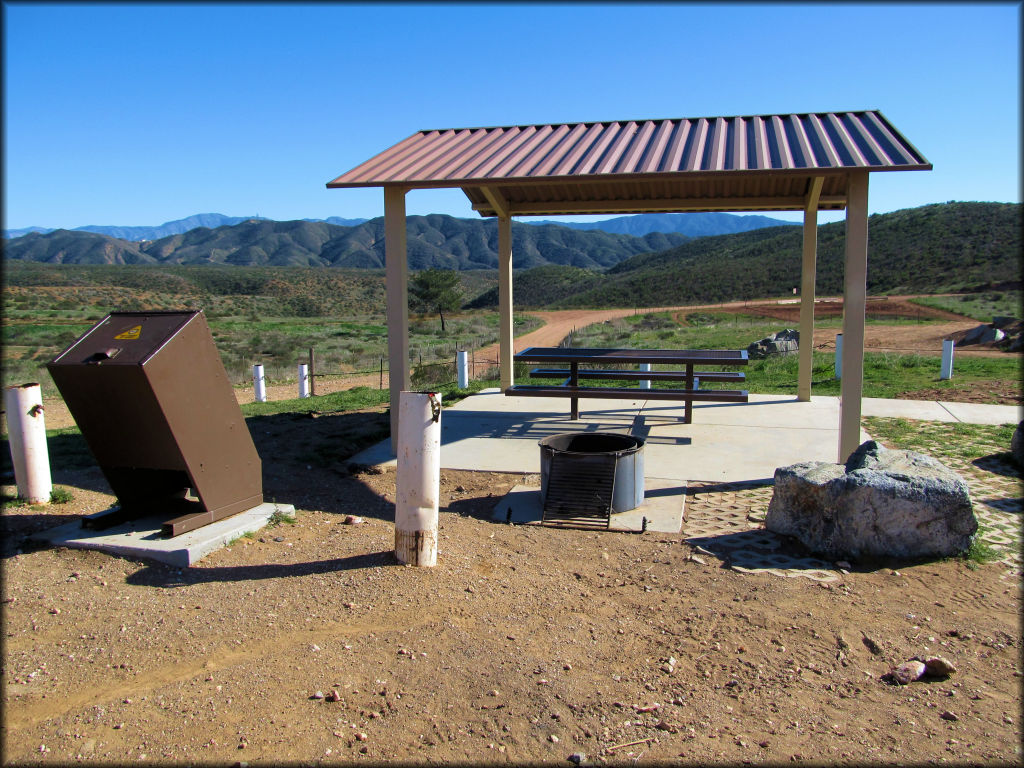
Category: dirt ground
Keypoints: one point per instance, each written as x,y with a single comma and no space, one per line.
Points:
524,644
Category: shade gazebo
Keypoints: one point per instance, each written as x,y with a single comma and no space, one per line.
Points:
795,162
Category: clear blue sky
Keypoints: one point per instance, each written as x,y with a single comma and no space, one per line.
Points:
139,114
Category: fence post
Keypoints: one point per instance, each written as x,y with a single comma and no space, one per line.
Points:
946,371
303,380
381,374
462,368
645,383
258,384
312,373
839,355
26,432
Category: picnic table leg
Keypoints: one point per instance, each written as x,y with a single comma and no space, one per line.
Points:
574,381
688,413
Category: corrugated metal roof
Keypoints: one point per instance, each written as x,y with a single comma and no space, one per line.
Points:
824,140
576,166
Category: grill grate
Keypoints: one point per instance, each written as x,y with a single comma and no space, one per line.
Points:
580,489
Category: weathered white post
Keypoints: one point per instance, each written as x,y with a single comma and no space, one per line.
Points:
303,380
645,383
839,355
462,365
946,372
26,431
418,479
259,385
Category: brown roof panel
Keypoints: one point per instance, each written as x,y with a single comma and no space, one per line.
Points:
592,164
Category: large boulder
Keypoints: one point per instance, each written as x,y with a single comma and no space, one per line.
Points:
784,342
881,504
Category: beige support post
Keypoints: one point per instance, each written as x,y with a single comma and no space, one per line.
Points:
396,282
855,273
505,299
807,274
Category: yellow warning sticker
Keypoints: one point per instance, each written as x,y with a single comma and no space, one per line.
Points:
131,334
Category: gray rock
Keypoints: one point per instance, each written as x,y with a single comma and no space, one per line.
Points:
1002,321
1017,444
983,334
784,342
882,503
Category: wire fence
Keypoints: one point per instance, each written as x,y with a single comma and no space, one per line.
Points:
422,375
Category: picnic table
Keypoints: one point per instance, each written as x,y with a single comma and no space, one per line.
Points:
687,358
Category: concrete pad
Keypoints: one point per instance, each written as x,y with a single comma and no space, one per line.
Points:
783,411
663,508
727,442
925,410
984,413
720,453
142,538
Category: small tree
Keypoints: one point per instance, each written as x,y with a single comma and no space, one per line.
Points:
436,290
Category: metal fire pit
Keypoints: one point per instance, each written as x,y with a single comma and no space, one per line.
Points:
584,477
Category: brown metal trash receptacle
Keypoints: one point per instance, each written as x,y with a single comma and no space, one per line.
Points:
151,397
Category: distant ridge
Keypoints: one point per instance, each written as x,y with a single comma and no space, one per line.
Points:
689,224
434,241
168,228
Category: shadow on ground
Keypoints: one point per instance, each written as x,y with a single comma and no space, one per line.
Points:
168,577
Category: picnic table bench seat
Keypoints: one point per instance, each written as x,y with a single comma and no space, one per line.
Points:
574,357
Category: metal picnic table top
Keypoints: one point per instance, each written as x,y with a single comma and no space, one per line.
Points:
664,356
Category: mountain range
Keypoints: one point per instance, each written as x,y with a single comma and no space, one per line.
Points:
689,224
176,227
433,241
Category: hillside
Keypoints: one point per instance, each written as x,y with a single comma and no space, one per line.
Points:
63,246
433,241
934,248
929,249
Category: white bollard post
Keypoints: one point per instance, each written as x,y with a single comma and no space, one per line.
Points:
258,384
418,479
645,383
839,355
946,372
26,433
462,366
303,380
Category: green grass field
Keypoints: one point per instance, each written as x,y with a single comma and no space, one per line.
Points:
979,306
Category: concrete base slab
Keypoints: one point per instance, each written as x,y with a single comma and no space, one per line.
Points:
663,508
931,410
726,442
923,410
141,537
983,413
